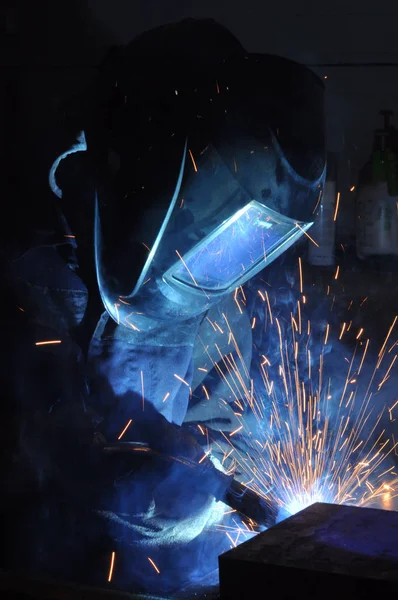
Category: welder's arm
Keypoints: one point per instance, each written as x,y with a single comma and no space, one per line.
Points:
132,382
142,387
195,478
136,374
175,443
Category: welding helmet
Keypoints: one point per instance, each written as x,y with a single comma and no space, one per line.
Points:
214,166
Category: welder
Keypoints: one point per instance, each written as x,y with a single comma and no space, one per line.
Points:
203,164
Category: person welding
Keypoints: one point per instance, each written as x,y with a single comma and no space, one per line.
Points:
205,164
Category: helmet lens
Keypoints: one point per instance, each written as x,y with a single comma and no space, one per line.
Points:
236,251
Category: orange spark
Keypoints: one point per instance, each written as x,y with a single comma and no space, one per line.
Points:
129,323
202,459
269,307
125,429
47,342
237,301
342,330
166,396
391,409
306,234
337,272
363,356
301,275
218,327
211,323
193,161
236,431
154,565
387,336
337,206
318,201
181,379
388,372
111,567
187,268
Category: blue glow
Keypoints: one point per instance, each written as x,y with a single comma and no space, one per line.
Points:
216,235
236,250
80,146
302,501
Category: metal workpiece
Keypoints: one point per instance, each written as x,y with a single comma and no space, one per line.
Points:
337,551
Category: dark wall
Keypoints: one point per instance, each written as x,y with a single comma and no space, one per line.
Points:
49,50
313,33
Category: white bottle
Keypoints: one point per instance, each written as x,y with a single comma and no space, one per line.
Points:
377,221
377,215
323,231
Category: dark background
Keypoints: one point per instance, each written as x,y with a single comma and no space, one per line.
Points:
70,37
49,51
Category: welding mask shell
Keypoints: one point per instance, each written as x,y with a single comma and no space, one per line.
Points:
211,174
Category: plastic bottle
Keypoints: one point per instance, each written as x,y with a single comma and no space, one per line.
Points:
376,205
323,230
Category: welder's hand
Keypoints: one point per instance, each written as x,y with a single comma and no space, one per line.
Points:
173,440
176,442
250,504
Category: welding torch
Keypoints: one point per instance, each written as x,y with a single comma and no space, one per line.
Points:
234,494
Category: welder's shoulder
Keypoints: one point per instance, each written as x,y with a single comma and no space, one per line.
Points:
45,287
